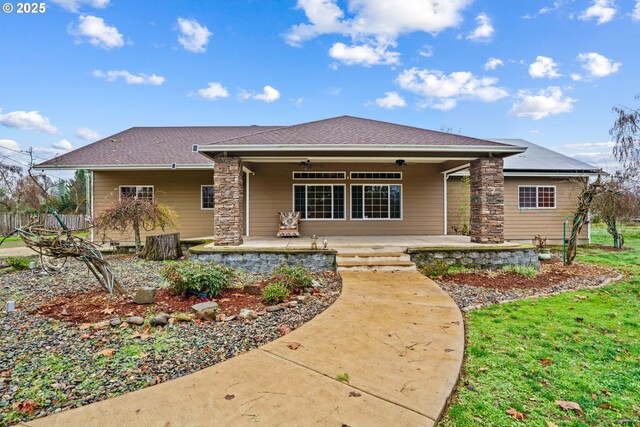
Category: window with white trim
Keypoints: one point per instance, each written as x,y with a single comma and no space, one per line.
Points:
206,197
381,201
319,175
537,197
138,192
376,175
317,201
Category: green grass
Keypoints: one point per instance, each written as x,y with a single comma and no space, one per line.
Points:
591,338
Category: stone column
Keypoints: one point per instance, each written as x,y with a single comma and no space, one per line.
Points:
487,200
228,191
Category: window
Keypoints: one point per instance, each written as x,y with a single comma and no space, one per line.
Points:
376,175
376,202
138,192
319,201
206,197
536,197
319,175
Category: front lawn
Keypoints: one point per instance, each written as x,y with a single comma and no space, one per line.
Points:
581,347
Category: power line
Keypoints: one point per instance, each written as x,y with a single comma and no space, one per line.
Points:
26,165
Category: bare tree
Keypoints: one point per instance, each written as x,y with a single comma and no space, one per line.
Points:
626,137
585,199
10,175
615,204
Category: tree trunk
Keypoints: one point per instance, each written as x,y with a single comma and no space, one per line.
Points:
164,246
136,235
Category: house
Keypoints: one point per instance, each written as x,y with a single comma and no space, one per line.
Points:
347,176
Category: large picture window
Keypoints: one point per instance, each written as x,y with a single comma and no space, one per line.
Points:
206,197
537,197
138,192
319,201
376,202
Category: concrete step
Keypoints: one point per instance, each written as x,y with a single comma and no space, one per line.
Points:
373,257
347,250
374,267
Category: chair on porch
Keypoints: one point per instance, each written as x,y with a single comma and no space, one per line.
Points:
288,226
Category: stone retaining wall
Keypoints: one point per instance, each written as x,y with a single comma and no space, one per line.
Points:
266,261
478,258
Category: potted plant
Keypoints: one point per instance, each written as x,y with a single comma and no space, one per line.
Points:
541,246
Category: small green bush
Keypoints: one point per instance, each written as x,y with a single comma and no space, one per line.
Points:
522,270
210,278
275,293
296,277
19,262
434,269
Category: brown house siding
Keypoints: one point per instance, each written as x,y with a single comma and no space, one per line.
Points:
520,225
271,190
180,189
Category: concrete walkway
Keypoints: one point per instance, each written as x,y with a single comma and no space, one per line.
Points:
397,335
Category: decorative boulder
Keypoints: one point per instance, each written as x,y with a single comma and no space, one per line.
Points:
209,305
145,295
159,320
135,320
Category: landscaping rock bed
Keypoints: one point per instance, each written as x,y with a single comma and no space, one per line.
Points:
48,365
478,288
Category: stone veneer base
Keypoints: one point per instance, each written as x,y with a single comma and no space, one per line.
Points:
477,257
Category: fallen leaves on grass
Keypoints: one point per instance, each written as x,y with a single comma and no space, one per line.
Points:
550,424
545,362
515,414
568,405
607,406
28,406
107,352
142,335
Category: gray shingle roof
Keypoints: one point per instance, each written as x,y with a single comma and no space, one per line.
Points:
538,158
347,130
152,146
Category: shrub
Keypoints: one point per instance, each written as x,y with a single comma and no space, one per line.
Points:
522,270
275,292
209,278
296,277
19,262
434,269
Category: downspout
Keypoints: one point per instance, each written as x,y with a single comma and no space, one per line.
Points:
446,207
89,204
248,172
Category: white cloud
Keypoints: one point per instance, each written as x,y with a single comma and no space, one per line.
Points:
635,15
437,87
445,105
49,151
544,67
98,33
576,77
75,5
27,120
602,10
493,63
63,144
269,94
598,65
297,102
545,102
8,147
87,134
484,31
376,23
390,100
194,36
131,79
365,54
427,51
557,4
214,90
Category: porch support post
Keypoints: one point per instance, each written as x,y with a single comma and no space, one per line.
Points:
487,200
228,198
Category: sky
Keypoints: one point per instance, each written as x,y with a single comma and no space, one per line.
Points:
548,71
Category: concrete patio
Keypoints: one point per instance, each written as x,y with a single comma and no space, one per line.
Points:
343,243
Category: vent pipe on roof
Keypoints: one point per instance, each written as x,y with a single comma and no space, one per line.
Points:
194,148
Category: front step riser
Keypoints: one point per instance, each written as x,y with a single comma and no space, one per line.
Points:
376,268
346,258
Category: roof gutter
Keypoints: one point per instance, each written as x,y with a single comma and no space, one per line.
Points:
364,147
125,167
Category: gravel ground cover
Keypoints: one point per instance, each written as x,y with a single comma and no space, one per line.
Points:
476,289
48,365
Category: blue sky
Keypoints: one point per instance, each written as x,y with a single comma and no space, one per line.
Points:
548,71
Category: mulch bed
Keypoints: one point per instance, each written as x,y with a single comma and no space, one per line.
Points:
472,290
552,272
607,248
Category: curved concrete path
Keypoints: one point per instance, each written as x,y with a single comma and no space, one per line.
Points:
398,336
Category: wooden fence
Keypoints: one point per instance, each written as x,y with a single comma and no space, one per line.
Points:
9,221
